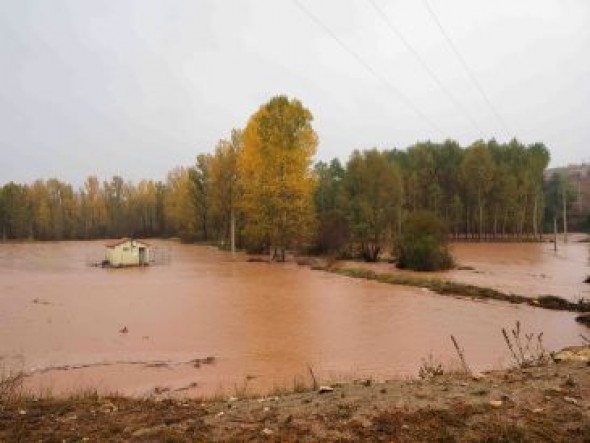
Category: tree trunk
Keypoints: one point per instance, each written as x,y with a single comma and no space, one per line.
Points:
399,222
535,218
205,233
495,225
480,221
232,239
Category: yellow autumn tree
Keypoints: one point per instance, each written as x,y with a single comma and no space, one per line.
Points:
224,187
178,204
41,212
146,207
276,177
94,208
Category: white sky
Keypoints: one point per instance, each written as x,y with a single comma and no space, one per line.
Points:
138,87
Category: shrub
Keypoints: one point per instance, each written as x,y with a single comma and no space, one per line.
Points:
553,302
423,245
584,319
10,385
430,368
333,234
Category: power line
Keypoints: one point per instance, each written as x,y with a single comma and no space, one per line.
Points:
425,66
368,67
467,69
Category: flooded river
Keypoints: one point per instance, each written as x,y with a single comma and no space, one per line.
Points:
263,323
528,269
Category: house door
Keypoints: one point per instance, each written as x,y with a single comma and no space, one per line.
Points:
142,257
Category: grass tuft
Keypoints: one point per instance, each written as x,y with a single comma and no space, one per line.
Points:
11,384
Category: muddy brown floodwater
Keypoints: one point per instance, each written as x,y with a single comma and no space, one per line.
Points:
263,323
528,269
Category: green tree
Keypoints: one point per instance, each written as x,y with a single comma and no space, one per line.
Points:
200,191
16,215
556,188
372,191
477,172
538,159
333,232
423,245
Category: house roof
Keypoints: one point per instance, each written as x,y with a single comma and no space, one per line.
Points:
114,243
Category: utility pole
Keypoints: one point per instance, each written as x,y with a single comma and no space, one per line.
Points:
564,214
535,218
555,234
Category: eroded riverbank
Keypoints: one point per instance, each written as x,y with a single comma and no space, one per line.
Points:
548,403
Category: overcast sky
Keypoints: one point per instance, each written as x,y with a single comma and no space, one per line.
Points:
138,87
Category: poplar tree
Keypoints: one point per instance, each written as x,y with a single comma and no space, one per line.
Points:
276,175
224,188
373,190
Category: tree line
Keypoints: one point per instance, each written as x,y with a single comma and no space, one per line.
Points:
255,189
260,190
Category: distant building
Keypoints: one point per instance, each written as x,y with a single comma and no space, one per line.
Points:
128,252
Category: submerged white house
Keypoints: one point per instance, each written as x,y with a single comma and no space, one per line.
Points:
128,252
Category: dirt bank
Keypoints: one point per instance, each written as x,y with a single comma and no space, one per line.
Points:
550,403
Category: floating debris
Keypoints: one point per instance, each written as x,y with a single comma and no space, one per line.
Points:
147,363
39,301
325,389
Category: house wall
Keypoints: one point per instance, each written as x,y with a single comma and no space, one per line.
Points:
126,254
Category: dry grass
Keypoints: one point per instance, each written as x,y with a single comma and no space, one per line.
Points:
430,367
11,384
526,349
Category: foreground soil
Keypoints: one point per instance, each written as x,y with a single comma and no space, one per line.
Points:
550,403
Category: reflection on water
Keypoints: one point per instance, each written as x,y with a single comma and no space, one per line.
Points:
266,321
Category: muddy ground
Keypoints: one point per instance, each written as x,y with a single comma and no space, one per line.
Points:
550,403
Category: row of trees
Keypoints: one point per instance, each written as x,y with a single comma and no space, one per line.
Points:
53,210
260,190
487,190
255,189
